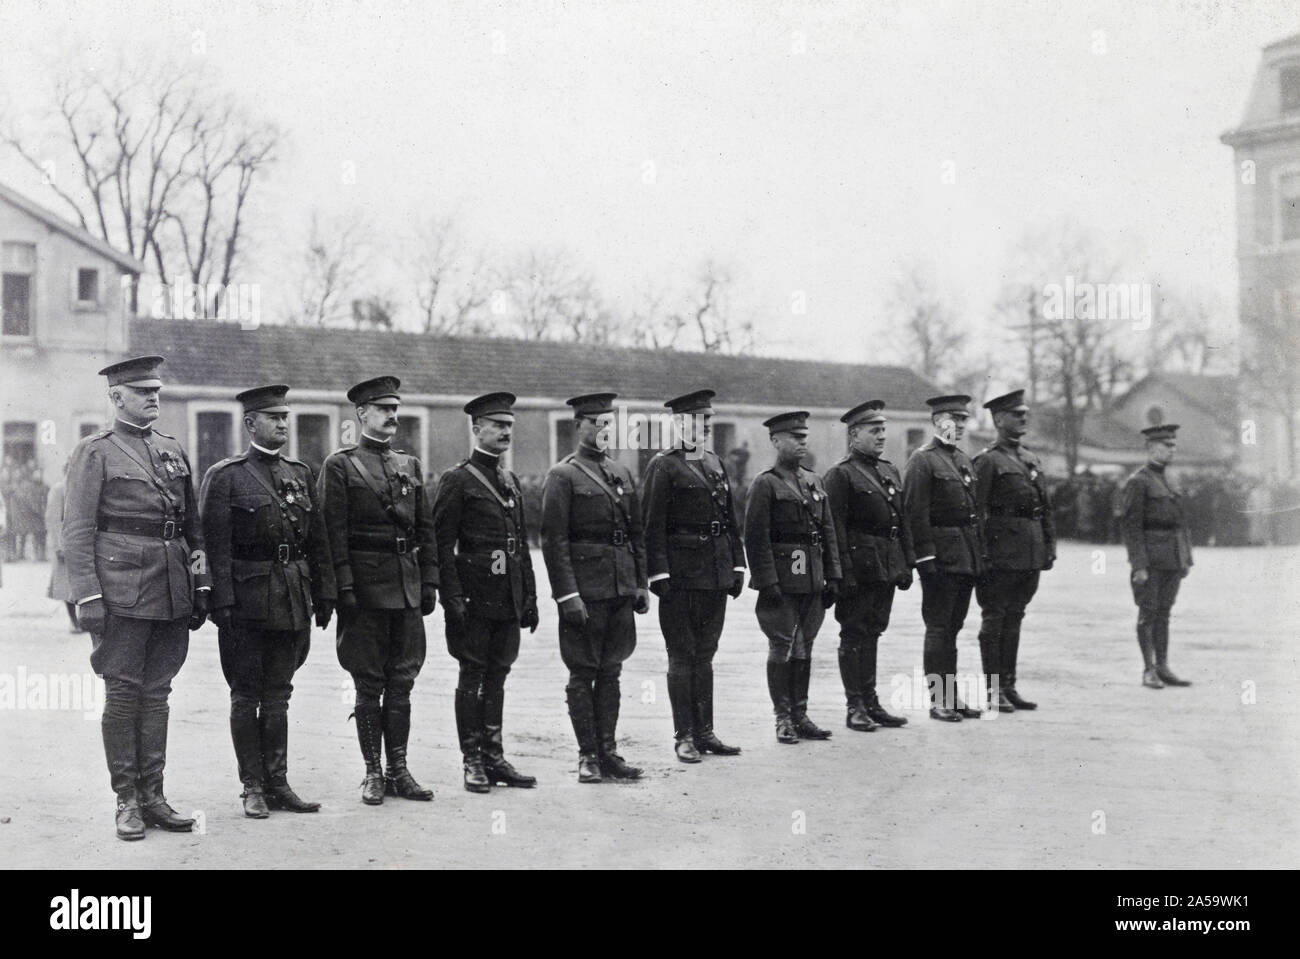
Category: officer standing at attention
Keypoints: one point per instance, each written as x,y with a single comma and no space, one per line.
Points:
940,502
488,590
380,530
696,559
1020,537
794,563
1159,551
270,566
866,498
138,574
595,556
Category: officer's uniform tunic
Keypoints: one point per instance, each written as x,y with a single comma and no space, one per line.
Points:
1156,538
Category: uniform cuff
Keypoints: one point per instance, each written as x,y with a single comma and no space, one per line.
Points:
564,599
737,569
89,598
923,559
202,589
658,576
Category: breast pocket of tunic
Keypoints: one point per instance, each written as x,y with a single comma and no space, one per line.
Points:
589,511
247,524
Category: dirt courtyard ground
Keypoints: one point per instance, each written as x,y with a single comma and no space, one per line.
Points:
1104,775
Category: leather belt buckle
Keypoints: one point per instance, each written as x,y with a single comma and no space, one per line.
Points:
715,528
169,529
512,545
401,545
619,538
282,552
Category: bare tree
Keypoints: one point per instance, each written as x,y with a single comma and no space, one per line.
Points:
700,317
149,147
333,265
554,299
1184,334
1081,357
451,288
927,334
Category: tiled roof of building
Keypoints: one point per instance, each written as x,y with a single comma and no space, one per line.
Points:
210,353
70,229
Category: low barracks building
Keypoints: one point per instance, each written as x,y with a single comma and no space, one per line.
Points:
208,362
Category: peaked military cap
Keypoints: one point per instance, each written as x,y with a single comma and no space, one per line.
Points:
1015,400
695,402
137,371
1165,431
491,404
788,422
380,388
592,404
264,399
872,411
956,403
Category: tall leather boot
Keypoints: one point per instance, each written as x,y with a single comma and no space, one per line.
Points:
706,740
469,731
778,687
607,701
274,722
991,661
800,677
1010,653
679,698
496,767
398,780
867,667
856,717
370,735
582,713
1160,639
247,738
151,747
119,731
1150,677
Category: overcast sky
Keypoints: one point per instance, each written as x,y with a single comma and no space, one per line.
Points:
804,144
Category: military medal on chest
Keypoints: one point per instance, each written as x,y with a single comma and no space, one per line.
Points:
1033,474
618,485
404,484
169,464
890,489
965,476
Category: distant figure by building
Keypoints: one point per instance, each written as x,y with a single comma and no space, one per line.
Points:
59,587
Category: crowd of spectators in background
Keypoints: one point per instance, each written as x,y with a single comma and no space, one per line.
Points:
24,492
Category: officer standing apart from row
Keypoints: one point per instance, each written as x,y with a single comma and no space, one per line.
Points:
866,498
381,538
696,559
270,565
595,557
794,564
1159,552
138,574
940,501
488,589
1020,538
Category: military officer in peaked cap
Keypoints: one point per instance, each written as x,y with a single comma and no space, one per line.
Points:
138,574
696,558
380,530
1020,538
1159,552
939,499
595,557
866,498
794,563
270,566
488,589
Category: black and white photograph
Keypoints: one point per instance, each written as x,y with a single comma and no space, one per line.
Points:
796,435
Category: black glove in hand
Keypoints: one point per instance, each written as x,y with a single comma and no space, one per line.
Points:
324,612
530,619
737,586
428,600
642,604
660,587
200,611
574,611
454,606
770,594
904,581
92,615
222,616
830,593
347,598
